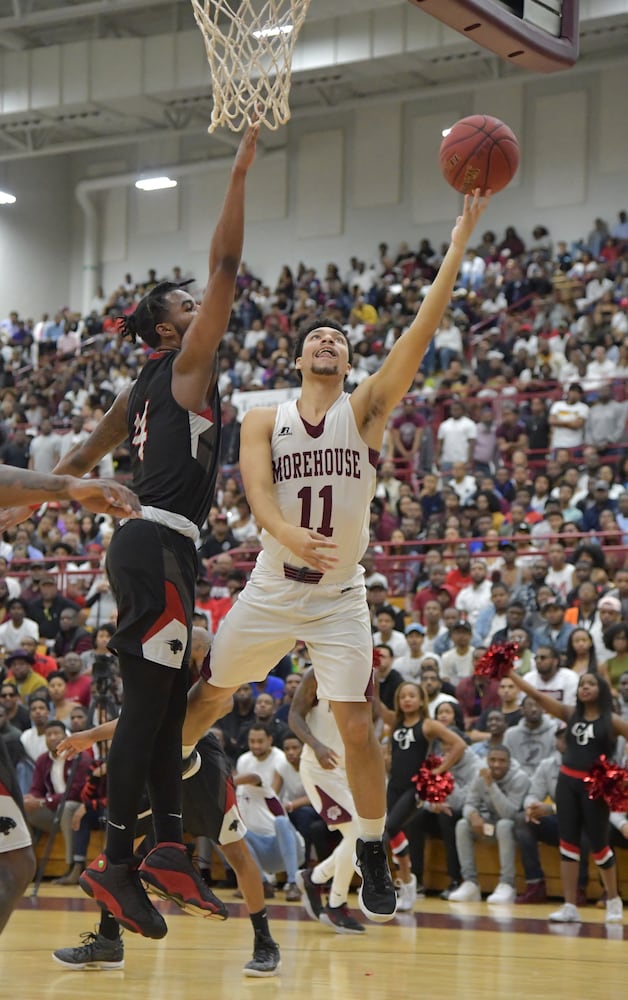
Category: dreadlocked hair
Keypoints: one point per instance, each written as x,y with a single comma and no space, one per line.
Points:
151,310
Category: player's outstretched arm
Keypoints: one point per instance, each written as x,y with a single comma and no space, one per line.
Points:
380,393
256,466
71,746
24,489
194,372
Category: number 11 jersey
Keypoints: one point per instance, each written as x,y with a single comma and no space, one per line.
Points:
324,476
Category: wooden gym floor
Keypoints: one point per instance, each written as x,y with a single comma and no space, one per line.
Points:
453,951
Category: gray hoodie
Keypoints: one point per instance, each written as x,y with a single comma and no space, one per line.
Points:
543,783
499,800
530,746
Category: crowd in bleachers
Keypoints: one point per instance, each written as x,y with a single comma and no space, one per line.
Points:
501,507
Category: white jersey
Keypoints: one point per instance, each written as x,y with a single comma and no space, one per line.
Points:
322,725
324,478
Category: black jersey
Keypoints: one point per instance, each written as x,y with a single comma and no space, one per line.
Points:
408,751
174,452
587,740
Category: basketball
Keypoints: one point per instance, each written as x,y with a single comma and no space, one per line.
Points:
479,152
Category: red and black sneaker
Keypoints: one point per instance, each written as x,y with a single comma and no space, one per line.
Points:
169,873
118,888
311,894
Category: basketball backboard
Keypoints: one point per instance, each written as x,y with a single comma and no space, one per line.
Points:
539,35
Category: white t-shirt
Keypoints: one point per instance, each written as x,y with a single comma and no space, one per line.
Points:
455,435
258,804
563,685
397,643
471,600
567,437
292,787
561,580
454,667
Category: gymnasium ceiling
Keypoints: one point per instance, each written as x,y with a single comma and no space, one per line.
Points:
449,60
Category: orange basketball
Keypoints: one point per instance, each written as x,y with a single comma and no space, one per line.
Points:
479,152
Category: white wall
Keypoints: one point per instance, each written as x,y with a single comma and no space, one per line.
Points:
35,237
320,201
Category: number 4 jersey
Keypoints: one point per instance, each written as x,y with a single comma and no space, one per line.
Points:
325,480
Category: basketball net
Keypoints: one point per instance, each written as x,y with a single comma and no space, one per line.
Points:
249,47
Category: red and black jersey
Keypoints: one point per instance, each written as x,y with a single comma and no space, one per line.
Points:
174,452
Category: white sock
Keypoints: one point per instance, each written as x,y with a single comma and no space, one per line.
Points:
371,829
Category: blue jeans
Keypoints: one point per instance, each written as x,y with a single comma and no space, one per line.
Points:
278,852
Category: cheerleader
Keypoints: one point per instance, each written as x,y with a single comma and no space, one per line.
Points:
412,733
592,729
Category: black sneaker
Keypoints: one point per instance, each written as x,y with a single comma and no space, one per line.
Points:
170,874
96,952
311,894
340,920
266,959
119,890
377,896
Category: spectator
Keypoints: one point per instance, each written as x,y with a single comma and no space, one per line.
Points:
511,433
17,713
457,663
616,641
49,785
45,448
476,695
409,666
460,577
272,839
494,799
436,590
46,610
387,634
567,419
455,438
235,724
433,684
580,656
13,631
406,432
264,711
492,617
495,726
485,447
71,638
532,739
288,786
556,631
433,625
473,598
387,678
548,676
605,425
78,685
20,666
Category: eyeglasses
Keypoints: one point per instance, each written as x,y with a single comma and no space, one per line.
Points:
9,694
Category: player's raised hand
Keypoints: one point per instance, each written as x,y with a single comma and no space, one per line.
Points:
104,496
474,206
72,746
313,549
246,149
10,516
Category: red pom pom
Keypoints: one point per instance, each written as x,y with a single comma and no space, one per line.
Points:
608,781
377,658
432,787
497,661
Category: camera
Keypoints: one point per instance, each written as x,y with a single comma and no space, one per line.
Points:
102,673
